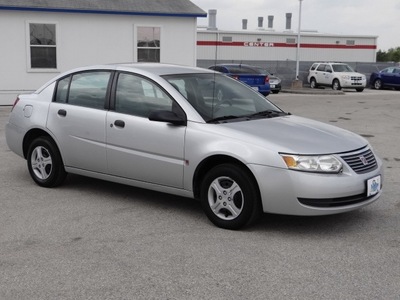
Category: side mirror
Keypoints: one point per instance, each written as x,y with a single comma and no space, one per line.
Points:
167,117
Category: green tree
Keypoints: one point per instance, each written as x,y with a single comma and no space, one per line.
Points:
393,54
381,56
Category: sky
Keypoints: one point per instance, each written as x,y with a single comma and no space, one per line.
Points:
379,18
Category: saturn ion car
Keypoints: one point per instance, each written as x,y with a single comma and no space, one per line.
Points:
162,127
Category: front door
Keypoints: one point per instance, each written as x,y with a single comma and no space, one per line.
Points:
138,148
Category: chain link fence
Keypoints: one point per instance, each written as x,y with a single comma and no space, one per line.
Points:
286,70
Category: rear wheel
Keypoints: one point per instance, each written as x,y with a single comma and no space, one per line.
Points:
336,85
378,84
313,83
44,163
229,197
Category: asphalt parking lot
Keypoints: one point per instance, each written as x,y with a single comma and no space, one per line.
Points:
90,239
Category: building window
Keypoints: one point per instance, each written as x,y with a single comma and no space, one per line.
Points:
43,46
290,41
227,39
350,42
148,44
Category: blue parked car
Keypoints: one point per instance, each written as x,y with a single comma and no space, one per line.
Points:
252,76
389,77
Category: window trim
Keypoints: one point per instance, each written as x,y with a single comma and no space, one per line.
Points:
29,68
113,92
135,40
108,95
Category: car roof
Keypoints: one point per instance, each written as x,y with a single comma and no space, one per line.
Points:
233,65
162,69
154,68
148,69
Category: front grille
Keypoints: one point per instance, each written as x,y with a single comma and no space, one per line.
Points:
334,202
356,78
361,162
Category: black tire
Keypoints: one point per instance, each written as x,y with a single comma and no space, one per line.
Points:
378,84
360,90
336,85
275,92
230,208
44,163
313,83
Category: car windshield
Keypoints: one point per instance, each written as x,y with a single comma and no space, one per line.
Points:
217,97
342,68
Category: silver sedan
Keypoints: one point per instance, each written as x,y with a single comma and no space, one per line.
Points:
195,133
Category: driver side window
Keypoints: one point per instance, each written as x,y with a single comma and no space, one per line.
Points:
138,96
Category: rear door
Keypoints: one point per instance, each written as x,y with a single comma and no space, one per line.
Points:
77,118
321,74
138,148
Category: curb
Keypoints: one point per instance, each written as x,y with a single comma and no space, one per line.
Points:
309,91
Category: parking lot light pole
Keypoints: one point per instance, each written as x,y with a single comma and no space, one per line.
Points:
298,42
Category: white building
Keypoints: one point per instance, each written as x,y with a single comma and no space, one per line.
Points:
262,45
267,44
41,38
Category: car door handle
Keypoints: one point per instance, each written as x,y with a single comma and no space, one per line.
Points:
62,112
119,123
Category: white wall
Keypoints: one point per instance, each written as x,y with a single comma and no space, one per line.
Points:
84,39
271,46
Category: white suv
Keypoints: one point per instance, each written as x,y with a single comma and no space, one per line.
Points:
336,75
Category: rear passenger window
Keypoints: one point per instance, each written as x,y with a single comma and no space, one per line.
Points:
88,89
62,90
138,96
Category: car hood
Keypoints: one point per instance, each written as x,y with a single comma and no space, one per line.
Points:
293,134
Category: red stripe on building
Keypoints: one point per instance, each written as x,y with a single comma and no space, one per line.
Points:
283,45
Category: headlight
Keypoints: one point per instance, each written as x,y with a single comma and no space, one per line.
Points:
345,77
317,164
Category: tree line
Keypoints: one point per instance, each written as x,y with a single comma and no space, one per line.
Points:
393,54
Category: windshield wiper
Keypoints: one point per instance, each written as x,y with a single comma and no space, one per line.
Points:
267,113
223,118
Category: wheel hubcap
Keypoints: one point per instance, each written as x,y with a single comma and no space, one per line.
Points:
225,198
335,85
41,162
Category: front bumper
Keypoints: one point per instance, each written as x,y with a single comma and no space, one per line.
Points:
354,84
291,192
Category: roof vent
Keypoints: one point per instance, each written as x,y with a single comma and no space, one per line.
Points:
244,24
288,21
212,19
260,23
270,22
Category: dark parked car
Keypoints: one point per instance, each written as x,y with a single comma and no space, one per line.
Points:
275,83
252,76
389,77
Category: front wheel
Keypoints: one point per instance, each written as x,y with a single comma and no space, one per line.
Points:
230,197
360,90
336,85
44,163
378,84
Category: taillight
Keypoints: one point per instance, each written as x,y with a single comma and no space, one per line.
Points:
15,103
235,77
266,79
